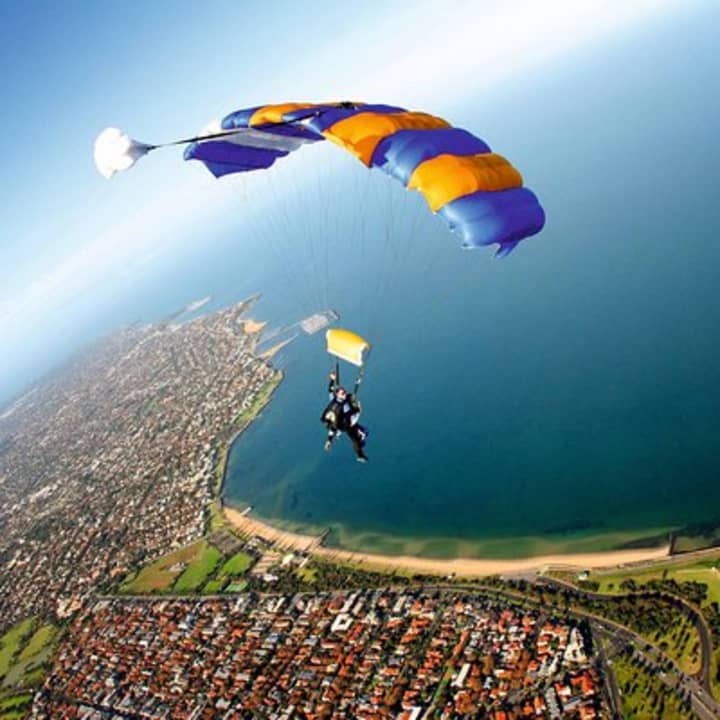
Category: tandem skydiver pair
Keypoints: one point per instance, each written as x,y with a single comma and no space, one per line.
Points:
343,411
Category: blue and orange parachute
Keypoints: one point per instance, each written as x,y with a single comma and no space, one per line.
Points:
476,191
479,193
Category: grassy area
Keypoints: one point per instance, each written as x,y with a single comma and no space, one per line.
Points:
28,668
236,587
14,701
213,587
11,642
199,569
681,642
16,714
237,565
15,707
307,574
261,400
656,620
645,696
42,637
25,653
706,571
217,519
34,678
161,575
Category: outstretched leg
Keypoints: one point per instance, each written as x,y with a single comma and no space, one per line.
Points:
357,435
331,435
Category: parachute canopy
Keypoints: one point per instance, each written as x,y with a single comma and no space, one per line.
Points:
347,345
477,192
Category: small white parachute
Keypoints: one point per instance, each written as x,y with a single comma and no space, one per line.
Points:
114,150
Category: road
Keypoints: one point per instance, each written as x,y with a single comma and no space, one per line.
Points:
669,673
612,690
692,612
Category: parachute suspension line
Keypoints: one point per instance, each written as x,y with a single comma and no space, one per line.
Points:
435,249
327,189
363,195
411,221
273,236
330,221
286,232
278,229
324,235
360,219
314,224
414,226
368,195
389,259
329,235
364,249
307,222
259,231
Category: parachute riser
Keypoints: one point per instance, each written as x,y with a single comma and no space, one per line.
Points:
358,381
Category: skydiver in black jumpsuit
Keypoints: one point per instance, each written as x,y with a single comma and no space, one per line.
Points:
342,415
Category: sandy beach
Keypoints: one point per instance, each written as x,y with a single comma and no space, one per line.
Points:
463,567
252,326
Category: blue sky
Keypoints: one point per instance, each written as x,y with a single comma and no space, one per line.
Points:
162,70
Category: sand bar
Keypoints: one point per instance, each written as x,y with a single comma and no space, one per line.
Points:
252,326
271,352
464,567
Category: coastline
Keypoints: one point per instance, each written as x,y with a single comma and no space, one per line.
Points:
461,567
240,425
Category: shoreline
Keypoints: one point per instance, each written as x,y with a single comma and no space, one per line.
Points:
240,427
460,567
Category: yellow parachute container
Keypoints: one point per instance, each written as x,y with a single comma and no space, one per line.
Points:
347,345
